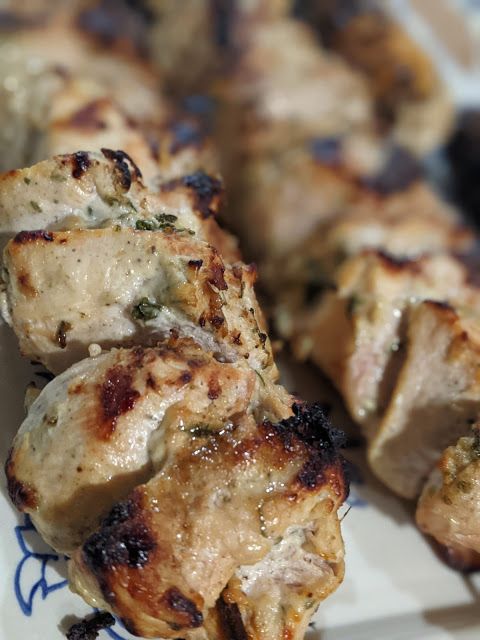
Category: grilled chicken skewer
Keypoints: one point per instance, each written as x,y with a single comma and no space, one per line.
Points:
222,490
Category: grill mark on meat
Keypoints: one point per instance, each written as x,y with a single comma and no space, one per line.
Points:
80,164
231,620
117,396
217,276
187,614
26,285
122,161
88,117
214,388
124,539
22,494
217,321
206,189
32,236
310,426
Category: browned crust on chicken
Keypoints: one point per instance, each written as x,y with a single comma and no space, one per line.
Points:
134,557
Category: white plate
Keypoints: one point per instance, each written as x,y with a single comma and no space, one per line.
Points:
395,588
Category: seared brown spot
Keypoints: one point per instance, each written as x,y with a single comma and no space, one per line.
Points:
195,264
80,164
61,334
124,538
217,321
22,494
122,161
26,285
117,396
89,117
186,377
238,339
151,382
310,427
214,388
207,190
186,612
32,236
76,389
217,279
231,620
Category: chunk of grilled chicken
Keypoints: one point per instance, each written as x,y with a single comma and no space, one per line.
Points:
222,488
448,507
354,195
410,98
354,329
33,79
78,119
279,95
120,287
91,190
435,398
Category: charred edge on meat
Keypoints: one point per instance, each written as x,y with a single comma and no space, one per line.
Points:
206,190
32,236
310,425
122,161
89,117
124,539
80,164
186,610
217,279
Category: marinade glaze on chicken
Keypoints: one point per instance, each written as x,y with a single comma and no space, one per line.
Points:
195,497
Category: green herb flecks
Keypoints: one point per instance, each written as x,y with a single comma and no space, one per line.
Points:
35,206
146,309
